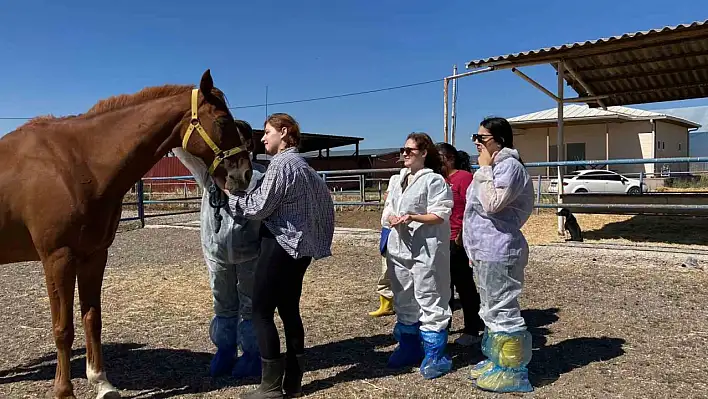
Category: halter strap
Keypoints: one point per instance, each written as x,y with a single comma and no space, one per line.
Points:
194,124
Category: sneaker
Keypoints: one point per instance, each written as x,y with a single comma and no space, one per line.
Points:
468,340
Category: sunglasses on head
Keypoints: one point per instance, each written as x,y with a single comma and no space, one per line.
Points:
480,137
408,150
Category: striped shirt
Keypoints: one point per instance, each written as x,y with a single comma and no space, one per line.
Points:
295,205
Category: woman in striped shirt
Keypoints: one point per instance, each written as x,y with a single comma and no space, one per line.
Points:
297,211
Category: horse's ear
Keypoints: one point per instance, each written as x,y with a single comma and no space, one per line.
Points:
207,83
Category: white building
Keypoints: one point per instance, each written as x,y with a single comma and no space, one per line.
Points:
595,134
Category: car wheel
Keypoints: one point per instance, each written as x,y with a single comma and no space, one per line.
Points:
581,190
634,191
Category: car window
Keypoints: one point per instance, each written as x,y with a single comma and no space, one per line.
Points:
613,177
591,176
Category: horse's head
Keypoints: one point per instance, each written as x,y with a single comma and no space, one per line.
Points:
213,135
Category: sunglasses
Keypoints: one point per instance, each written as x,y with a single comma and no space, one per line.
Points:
408,150
480,137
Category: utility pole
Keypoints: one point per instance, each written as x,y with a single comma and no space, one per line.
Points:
266,101
454,106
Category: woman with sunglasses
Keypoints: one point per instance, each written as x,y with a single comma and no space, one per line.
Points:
458,174
499,202
417,210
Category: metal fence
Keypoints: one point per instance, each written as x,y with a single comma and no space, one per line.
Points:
377,186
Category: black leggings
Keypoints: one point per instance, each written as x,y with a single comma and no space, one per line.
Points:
278,284
462,278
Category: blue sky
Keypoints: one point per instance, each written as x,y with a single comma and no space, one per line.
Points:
61,58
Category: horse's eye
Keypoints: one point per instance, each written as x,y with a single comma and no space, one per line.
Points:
223,122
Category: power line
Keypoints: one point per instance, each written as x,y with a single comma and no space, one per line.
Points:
358,93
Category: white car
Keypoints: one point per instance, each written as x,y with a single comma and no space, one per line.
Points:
598,181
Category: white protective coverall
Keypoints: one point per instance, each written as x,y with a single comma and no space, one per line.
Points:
231,256
418,257
499,202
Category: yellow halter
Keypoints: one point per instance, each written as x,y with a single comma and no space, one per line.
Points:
219,155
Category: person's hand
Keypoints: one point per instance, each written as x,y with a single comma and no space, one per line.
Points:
393,220
220,182
405,219
458,240
485,158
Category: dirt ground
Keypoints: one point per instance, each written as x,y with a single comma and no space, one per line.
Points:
607,321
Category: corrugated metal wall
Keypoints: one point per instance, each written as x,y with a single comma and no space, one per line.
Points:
166,167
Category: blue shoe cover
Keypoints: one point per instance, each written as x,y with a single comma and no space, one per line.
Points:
480,368
222,362
436,361
486,349
249,364
510,354
505,380
409,351
223,332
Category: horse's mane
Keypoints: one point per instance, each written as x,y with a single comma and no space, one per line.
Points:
144,95
127,100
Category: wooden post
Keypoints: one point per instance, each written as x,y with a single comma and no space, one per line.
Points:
445,128
559,142
454,105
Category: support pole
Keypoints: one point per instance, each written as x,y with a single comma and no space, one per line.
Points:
559,142
141,202
454,105
536,84
574,75
445,106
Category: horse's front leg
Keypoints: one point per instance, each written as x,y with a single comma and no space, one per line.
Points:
90,277
60,275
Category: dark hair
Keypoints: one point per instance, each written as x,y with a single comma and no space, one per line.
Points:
425,143
501,131
460,159
281,120
246,133
464,162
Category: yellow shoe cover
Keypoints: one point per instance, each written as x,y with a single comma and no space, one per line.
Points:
510,350
480,368
505,380
510,354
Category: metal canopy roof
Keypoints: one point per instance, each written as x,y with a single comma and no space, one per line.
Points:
657,65
311,142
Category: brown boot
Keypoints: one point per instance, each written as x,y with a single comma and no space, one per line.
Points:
292,382
271,380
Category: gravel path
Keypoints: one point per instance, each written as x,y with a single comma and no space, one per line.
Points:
608,322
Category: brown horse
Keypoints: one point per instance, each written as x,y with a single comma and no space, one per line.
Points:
62,182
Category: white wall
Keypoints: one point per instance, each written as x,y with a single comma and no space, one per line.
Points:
627,140
673,140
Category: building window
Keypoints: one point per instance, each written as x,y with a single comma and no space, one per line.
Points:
679,146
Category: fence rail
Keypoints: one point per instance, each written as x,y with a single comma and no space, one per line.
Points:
360,176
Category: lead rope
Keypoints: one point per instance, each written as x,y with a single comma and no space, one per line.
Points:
217,200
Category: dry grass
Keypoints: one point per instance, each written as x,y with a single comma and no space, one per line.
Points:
682,189
604,323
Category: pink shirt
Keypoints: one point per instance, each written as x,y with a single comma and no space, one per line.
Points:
459,182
